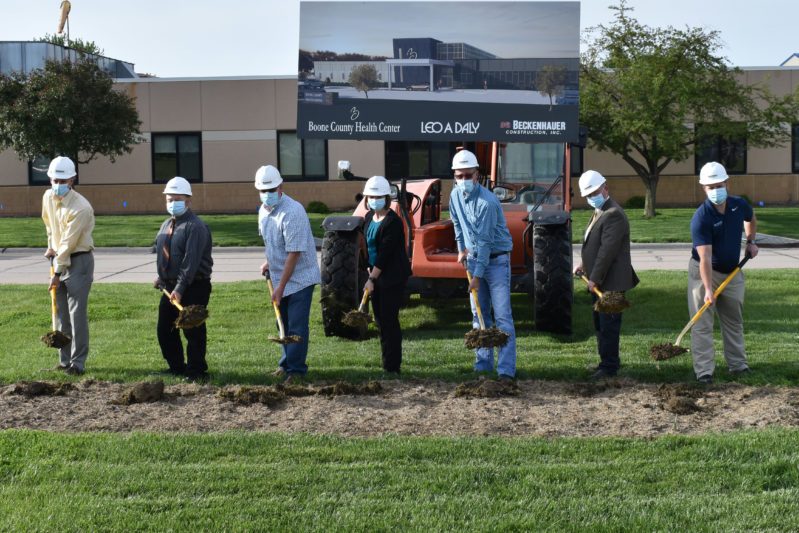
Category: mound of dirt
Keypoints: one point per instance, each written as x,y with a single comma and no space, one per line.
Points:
40,388
143,392
588,389
661,352
357,319
679,399
273,395
486,388
56,339
486,338
611,302
191,316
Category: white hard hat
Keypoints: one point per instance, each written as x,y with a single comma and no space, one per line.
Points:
712,173
267,177
61,168
178,185
376,186
464,159
590,181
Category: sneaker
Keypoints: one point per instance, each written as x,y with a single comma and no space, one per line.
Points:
706,379
279,373
293,378
74,371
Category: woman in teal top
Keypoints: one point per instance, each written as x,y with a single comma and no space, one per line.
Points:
389,268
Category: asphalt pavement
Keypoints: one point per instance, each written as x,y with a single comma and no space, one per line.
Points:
137,265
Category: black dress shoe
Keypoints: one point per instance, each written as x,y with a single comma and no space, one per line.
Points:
201,377
167,372
601,373
74,371
705,379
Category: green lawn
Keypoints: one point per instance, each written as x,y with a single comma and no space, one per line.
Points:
671,225
746,481
140,230
124,346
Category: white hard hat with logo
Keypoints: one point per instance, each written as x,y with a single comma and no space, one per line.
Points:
267,177
590,181
376,186
712,173
178,185
464,159
61,168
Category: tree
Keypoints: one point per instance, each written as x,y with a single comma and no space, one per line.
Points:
67,108
84,47
364,78
549,81
643,89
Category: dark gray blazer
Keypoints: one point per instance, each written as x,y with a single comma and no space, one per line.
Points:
606,250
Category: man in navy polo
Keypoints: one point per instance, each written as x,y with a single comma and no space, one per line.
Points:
716,234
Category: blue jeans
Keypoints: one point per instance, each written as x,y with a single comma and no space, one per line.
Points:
494,295
296,311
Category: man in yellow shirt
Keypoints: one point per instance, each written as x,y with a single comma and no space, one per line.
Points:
69,220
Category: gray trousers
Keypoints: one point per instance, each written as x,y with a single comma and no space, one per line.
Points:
72,297
729,308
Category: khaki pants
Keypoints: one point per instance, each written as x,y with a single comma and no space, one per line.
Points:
73,307
729,308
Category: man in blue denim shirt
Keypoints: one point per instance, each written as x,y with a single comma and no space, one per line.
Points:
484,245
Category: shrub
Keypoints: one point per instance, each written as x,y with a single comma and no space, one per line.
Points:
318,207
635,202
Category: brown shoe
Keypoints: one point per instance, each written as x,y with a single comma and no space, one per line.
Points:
279,373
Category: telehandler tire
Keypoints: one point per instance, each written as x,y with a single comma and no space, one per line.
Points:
343,277
553,282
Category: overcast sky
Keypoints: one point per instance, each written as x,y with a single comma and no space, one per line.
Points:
186,38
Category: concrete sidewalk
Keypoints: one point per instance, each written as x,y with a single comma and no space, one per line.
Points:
137,265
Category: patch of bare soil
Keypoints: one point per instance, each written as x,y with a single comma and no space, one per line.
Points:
407,407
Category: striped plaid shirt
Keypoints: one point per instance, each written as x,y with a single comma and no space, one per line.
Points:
285,229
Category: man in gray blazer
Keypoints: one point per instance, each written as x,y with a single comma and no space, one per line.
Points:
606,263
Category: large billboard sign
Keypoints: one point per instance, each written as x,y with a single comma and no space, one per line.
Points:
439,71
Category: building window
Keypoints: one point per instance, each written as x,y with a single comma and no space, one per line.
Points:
576,161
301,159
418,159
729,151
37,171
795,151
177,154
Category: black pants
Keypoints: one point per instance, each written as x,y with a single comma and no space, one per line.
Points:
386,303
198,293
608,329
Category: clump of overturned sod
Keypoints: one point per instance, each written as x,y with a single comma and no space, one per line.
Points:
667,350
144,392
56,339
486,388
191,316
41,388
679,398
273,395
357,319
486,338
288,339
611,302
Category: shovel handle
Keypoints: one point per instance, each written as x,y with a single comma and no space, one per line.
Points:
53,303
173,302
362,307
476,302
716,293
275,307
595,289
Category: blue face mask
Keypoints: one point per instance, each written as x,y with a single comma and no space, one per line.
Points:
717,196
60,189
176,207
467,186
270,198
596,201
377,203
